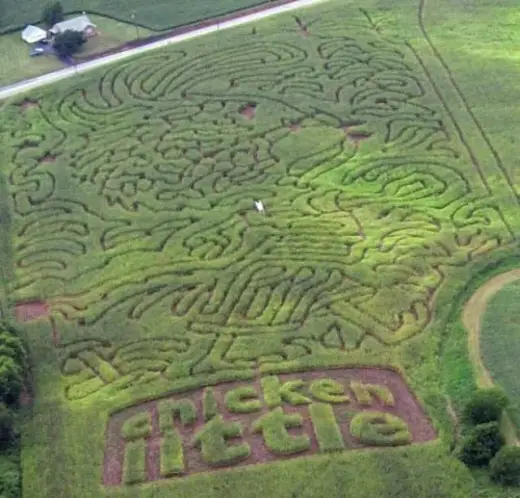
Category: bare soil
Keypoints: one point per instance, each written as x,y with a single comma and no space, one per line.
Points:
29,311
406,407
356,137
29,104
49,158
25,398
248,111
295,127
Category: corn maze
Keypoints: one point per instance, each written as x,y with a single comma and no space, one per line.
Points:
132,197
160,433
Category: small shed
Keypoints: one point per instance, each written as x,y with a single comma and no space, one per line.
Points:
33,34
81,24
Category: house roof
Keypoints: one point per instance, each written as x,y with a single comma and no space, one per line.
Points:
79,23
33,34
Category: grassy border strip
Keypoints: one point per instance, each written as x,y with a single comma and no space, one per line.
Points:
472,314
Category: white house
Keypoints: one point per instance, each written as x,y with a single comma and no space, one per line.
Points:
82,24
33,34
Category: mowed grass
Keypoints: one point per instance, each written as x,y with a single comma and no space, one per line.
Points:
159,15
130,195
16,64
500,342
467,36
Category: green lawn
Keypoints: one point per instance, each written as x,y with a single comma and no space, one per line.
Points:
130,193
159,15
16,64
500,342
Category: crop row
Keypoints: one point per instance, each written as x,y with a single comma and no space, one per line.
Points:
133,196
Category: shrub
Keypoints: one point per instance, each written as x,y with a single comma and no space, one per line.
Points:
486,405
7,426
11,345
68,43
11,380
52,14
482,444
10,482
505,466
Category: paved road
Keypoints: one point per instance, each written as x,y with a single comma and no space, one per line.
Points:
24,86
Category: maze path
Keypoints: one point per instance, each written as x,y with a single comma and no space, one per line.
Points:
372,199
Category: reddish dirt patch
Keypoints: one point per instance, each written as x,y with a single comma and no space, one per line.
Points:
29,104
295,127
248,111
25,398
303,28
49,158
358,137
406,407
26,312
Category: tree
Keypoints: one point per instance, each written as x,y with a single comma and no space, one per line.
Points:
482,444
505,466
52,14
11,380
68,43
486,405
7,426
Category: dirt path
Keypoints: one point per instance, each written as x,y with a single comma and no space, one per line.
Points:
472,315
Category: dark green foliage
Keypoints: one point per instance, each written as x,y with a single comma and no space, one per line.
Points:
486,405
505,466
7,426
12,365
68,42
52,14
482,444
10,479
11,380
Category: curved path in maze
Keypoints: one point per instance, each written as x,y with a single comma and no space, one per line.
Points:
46,79
472,316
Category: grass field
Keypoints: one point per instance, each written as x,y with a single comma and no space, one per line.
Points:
174,318
16,64
160,15
500,342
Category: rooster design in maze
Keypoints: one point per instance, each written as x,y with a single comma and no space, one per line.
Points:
372,199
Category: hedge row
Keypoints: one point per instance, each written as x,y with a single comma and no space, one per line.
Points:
485,445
